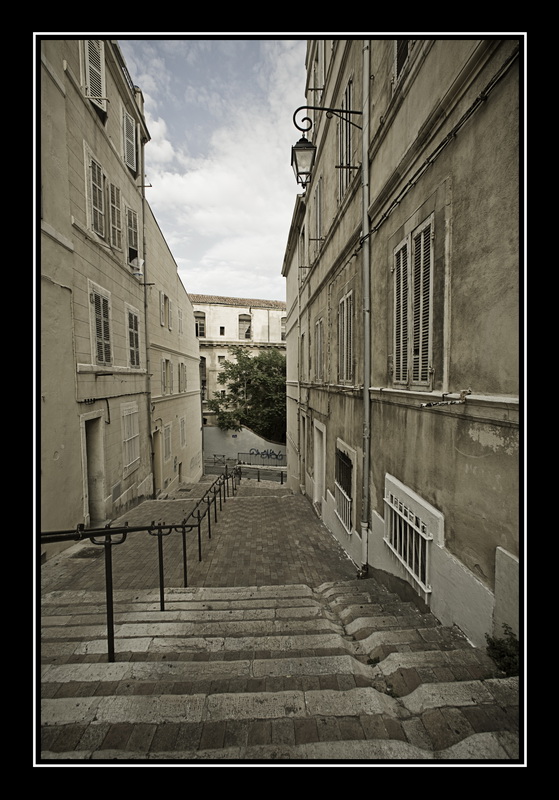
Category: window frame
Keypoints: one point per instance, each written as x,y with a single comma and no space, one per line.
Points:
346,327
413,267
133,345
100,325
130,421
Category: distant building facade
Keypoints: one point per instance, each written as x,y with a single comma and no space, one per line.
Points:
402,277
104,267
224,321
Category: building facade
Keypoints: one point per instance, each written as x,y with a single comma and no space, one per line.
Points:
103,266
402,273
221,322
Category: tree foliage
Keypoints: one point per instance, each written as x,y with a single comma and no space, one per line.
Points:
254,393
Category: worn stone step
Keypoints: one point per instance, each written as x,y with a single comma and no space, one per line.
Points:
171,673
183,630
488,746
363,627
159,645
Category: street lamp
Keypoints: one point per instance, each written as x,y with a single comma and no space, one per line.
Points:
303,153
302,160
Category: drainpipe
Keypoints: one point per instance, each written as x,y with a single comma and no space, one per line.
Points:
366,316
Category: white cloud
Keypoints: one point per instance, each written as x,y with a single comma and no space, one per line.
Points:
220,117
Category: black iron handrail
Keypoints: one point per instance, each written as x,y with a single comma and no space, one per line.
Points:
109,537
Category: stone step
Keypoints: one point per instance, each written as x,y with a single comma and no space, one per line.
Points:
202,726
491,746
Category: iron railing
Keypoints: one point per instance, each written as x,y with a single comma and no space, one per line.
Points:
108,537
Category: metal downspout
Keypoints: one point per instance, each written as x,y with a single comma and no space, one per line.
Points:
366,316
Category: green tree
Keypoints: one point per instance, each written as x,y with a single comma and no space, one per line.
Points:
254,394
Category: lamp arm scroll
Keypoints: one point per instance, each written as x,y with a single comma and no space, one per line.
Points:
330,112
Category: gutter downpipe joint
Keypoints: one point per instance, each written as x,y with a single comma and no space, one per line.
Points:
366,317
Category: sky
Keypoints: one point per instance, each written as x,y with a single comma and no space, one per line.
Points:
218,166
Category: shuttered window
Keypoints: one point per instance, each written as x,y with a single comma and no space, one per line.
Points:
97,196
102,328
133,339
345,339
130,436
116,217
413,270
129,134
132,234
95,72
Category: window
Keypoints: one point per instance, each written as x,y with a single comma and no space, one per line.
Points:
283,323
116,216
132,234
167,442
411,524
221,360
319,350
183,431
129,139
222,331
96,197
182,377
133,323
200,323
345,339
166,376
401,53
101,324
180,318
244,326
95,72
130,437
345,143
165,311
317,216
412,271
343,490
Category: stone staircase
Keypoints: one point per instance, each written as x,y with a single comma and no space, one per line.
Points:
345,672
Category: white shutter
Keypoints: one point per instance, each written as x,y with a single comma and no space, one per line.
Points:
170,311
162,308
95,72
163,376
129,134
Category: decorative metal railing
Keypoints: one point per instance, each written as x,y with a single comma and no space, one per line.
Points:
108,537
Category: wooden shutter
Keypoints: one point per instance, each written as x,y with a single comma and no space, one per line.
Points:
102,329
129,133
97,198
401,314
421,305
133,339
116,216
95,72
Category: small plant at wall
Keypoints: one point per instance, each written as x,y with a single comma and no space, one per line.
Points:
505,651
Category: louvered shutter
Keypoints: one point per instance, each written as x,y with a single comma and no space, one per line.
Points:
421,305
401,315
129,133
116,217
97,198
134,339
102,329
349,338
95,72
162,308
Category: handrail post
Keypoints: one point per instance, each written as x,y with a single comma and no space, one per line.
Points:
161,576
184,558
109,596
199,535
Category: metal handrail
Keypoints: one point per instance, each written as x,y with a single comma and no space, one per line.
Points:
115,536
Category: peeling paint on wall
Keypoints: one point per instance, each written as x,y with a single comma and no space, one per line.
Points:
489,436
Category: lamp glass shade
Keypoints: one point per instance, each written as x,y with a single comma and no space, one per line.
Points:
302,160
